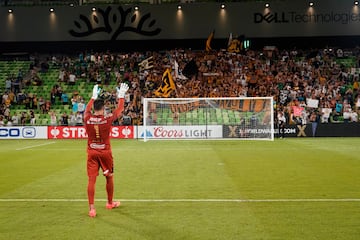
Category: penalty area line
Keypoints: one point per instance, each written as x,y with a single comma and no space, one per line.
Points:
186,200
34,146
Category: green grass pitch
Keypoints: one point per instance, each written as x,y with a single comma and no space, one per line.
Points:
286,189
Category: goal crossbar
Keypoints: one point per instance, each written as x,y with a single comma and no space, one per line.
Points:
208,118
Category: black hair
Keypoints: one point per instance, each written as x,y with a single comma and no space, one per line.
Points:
98,104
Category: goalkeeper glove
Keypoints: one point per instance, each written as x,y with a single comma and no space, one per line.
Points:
120,92
96,91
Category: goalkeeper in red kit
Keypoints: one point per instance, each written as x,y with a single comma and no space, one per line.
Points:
99,154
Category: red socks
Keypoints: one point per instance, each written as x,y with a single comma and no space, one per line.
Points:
110,188
91,189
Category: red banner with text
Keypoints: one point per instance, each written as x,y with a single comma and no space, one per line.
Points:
79,132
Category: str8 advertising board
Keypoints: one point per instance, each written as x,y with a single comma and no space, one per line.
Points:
28,132
79,132
181,132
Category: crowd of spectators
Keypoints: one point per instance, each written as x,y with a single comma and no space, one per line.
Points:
306,85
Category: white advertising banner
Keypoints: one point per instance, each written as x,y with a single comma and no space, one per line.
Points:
28,132
181,132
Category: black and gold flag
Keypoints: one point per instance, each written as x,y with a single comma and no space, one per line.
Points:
167,85
208,41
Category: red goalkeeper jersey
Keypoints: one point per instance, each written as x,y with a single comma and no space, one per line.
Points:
98,126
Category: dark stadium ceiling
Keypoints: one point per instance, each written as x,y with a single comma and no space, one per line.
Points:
85,2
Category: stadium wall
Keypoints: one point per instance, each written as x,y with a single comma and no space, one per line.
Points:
122,28
177,132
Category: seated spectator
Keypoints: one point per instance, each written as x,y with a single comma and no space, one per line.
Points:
64,121
81,107
325,114
47,106
107,77
75,104
335,117
53,118
72,121
12,97
41,104
23,118
5,97
354,117
34,104
32,117
16,84
7,113
98,78
27,102
58,91
357,102
15,119
21,97
64,99
44,67
7,102
72,79
61,77
9,123
53,95
79,119
2,122
35,79
8,84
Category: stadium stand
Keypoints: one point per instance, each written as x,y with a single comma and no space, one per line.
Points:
40,76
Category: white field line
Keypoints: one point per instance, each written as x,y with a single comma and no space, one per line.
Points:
186,200
33,146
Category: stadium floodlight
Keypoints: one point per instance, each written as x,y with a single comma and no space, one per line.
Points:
248,118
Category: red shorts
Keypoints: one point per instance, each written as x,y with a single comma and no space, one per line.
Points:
99,159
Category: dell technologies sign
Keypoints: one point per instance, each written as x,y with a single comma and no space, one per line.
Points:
296,17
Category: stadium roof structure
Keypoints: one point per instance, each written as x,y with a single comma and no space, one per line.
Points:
86,2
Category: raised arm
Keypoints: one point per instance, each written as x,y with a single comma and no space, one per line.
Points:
89,106
120,93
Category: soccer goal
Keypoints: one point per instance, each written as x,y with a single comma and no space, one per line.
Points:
208,118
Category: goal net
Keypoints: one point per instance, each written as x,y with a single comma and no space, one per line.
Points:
208,118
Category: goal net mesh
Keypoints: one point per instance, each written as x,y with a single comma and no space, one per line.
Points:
208,118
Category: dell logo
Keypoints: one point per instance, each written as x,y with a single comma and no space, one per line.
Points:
270,18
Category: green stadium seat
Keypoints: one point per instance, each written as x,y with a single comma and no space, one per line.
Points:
44,121
182,121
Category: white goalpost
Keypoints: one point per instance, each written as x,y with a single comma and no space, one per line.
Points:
250,118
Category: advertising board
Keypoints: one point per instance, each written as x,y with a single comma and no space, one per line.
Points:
79,132
28,132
